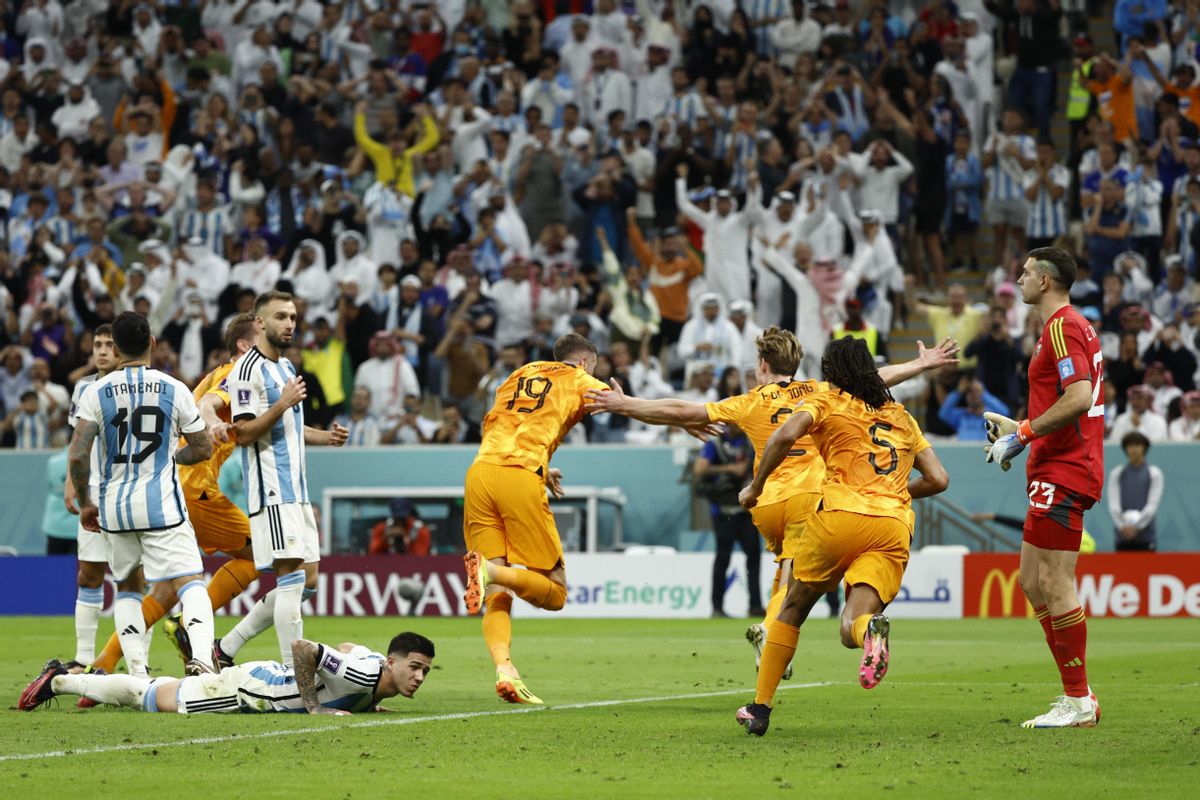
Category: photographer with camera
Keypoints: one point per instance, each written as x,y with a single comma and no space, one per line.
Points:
723,467
999,356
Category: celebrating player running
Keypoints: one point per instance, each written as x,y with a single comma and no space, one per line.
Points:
863,526
1065,470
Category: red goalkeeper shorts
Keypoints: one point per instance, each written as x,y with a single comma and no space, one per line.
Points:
1055,517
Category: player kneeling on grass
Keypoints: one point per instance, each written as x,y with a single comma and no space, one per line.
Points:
324,680
863,526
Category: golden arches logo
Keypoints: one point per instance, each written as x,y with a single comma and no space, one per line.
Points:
1010,591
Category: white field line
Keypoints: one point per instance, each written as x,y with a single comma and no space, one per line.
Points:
376,723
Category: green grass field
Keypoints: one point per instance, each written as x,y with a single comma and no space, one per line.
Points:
645,709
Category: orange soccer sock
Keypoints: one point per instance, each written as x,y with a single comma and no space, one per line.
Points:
532,587
777,653
230,580
859,631
773,606
1070,651
497,627
110,656
1043,616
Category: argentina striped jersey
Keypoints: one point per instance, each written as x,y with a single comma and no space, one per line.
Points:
210,227
1047,217
81,386
141,414
273,466
345,681
1006,174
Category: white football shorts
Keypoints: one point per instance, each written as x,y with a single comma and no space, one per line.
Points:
287,531
164,555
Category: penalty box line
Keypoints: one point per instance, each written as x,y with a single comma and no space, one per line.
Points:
376,723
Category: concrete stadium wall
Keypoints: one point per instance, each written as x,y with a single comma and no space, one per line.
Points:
658,507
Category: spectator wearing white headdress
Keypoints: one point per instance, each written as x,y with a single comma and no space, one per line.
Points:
710,337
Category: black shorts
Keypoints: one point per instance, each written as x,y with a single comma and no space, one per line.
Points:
961,223
930,211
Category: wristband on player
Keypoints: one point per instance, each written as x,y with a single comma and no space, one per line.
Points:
1025,433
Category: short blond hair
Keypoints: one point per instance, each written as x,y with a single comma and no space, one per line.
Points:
780,349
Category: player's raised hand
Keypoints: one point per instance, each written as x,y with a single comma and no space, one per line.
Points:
294,391
600,401
998,425
338,435
944,354
89,518
554,483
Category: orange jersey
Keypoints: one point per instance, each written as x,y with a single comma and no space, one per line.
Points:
759,412
868,454
198,479
533,411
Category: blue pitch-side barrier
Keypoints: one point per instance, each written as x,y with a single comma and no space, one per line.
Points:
657,511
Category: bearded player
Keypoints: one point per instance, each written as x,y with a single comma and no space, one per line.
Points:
1065,473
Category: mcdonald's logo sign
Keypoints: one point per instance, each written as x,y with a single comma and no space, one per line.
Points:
992,586
1010,594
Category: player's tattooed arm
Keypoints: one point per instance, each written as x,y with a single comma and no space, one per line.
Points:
304,666
199,448
79,460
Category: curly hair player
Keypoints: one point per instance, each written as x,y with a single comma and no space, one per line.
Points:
863,526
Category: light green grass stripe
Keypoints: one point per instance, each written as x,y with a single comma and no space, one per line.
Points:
376,723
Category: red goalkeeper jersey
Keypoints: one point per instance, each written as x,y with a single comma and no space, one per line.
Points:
1073,456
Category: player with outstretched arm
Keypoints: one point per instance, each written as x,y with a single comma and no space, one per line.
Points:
863,527
1065,473
324,679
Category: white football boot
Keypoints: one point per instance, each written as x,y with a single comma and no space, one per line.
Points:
1066,712
756,635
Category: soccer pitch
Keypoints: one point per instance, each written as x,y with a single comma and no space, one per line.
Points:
645,709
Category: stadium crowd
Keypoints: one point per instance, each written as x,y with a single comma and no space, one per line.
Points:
447,187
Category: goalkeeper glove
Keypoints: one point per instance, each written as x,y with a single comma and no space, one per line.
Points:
1008,438
1004,450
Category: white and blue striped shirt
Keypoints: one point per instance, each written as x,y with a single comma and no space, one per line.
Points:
81,386
1006,174
141,413
766,9
32,431
1185,218
1047,218
274,465
744,146
345,681
685,107
211,227
362,433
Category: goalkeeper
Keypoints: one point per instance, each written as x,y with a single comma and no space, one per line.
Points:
1065,473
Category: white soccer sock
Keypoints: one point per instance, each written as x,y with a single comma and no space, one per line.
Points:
113,690
261,617
289,623
88,605
130,622
198,620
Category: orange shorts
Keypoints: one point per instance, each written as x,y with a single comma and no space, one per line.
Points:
221,527
782,524
857,547
506,514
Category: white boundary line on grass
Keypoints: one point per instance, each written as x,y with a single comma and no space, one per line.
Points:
375,723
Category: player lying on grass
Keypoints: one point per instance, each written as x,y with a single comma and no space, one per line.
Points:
325,680
791,494
863,526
